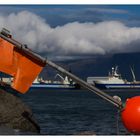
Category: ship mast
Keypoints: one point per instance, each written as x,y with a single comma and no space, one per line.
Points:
133,74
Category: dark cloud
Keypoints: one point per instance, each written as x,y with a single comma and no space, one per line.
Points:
60,15
108,10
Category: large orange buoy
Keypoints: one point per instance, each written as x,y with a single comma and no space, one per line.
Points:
131,115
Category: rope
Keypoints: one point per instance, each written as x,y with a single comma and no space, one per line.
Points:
117,122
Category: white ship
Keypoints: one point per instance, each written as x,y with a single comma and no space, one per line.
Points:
114,81
63,83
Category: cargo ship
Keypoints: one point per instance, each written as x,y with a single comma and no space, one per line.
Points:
63,83
114,81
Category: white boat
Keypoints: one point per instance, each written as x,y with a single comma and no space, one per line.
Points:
64,83
114,81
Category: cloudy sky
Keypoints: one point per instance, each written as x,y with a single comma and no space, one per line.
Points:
65,32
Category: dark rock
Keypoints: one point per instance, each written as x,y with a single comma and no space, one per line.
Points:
15,114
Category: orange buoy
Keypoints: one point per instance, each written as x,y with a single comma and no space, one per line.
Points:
131,115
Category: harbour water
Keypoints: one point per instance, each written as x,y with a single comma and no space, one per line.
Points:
76,112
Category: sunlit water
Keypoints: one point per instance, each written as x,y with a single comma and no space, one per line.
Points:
73,112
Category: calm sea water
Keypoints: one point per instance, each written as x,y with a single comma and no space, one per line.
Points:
74,112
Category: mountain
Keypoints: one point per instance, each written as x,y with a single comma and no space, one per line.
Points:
99,66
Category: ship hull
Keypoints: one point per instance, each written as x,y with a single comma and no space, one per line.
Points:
52,86
117,86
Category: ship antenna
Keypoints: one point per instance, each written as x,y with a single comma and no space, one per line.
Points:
116,69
